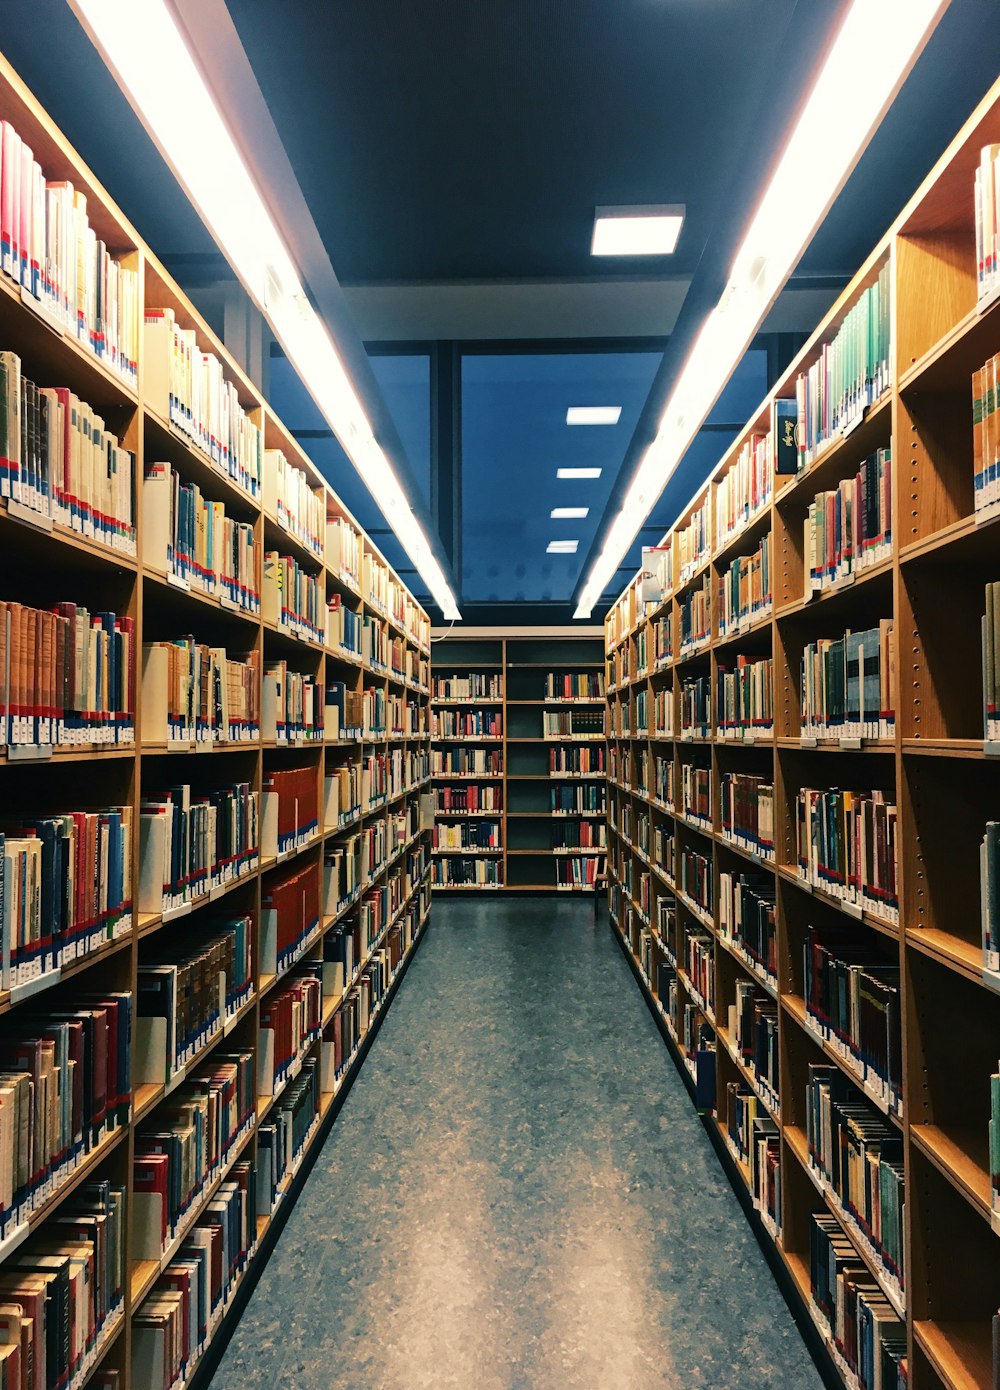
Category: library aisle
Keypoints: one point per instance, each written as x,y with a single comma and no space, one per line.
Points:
517,1193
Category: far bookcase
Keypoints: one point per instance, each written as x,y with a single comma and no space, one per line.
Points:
536,805
823,966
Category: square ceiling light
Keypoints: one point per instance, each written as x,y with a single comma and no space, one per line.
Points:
561,547
637,231
568,513
593,414
578,472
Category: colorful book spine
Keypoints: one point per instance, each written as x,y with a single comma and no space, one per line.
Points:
846,844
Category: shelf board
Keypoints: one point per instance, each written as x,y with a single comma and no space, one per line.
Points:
960,1352
961,1154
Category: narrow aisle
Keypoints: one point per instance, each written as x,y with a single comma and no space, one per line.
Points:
517,1194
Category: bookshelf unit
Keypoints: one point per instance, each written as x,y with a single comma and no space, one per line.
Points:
705,798
549,825
313,741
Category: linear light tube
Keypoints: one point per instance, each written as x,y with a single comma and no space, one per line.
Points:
178,110
866,65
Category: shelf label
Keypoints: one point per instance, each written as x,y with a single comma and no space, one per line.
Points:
29,516
28,752
43,312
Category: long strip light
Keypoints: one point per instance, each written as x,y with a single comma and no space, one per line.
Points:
867,63
142,45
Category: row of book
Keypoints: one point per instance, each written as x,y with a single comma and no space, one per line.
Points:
577,761
663,713
184,1002
291,797
488,797
757,1141
747,919
59,460
662,642
65,889
191,842
343,550
49,248
867,1333
747,811
292,599
292,705
696,705
753,1025
291,498
745,697
744,489
853,1005
696,793
986,437
67,677
696,616
587,724
448,871
574,685
189,388
195,542
577,872
345,628
466,762
846,844
567,800
196,694
987,214
849,529
745,590
694,542
699,965
583,834
848,685
696,877
850,373
471,723
467,834
473,686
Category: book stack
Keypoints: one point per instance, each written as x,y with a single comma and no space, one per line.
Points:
864,1328
343,712
850,373
193,693
289,916
62,1293
696,706
282,1140
744,489
987,207
745,592
846,845
467,762
565,685
343,550
193,842
290,1022
745,697
186,1003
858,1155
753,1026
849,685
188,1145
696,878
172,1328
696,794
80,1056
474,686
466,835
49,248
293,705
747,920
60,461
190,389
460,724
67,677
292,598
747,811
290,810
65,889
192,540
852,1003
344,628
849,530
696,616
583,724
289,497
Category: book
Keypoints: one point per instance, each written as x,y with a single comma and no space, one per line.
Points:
294,501
846,844
192,843
849,529
744,489
745,592
197,694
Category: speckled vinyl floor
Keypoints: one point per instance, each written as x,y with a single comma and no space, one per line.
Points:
517,1193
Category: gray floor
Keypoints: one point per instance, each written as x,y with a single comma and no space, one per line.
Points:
517,1194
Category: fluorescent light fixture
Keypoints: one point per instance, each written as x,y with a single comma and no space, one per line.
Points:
869,60
195,142
561,547
593,414
637,231
569,513
578,472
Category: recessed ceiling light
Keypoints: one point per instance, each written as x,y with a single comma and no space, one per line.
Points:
578,472
593,414
568,513
561,547
637,231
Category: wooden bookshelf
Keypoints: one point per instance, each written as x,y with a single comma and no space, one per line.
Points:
933,765
529,827
45,563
